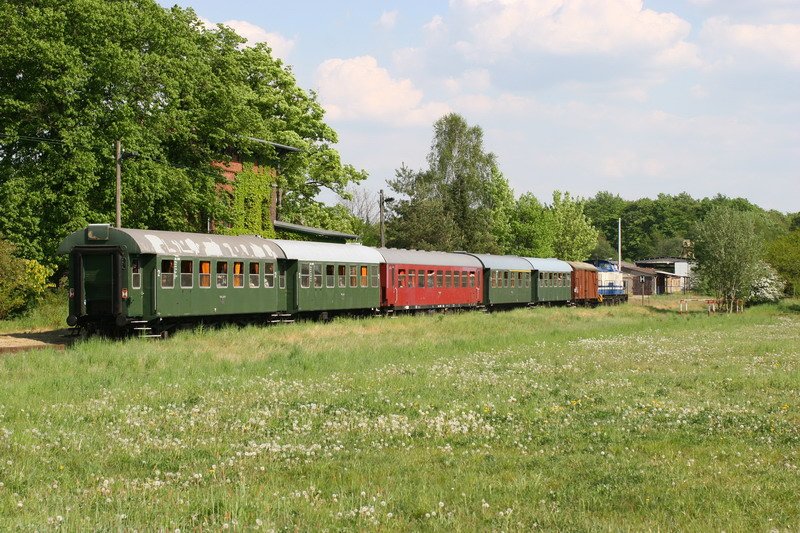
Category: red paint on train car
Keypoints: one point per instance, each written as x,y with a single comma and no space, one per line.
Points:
411,286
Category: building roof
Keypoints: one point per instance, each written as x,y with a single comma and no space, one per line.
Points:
580,265
671,274
421,257
662,261
142,241
639,271
329,252
549,264
501,262
314,232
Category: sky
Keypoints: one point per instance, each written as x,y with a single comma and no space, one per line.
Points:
636,98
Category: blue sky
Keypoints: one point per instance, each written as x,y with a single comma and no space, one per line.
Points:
632,97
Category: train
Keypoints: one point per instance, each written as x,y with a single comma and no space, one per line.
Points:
150,282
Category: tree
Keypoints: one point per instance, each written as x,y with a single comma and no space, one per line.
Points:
574,237
532,228
77,75
461,201
783,254
727,249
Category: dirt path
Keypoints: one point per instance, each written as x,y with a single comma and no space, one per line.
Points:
18,342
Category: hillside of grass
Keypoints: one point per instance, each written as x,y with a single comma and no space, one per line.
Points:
624,418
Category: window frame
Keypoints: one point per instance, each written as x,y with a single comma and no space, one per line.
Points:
187,278
238,277
224,275
269,275
170,272
136,273
305,275
254,275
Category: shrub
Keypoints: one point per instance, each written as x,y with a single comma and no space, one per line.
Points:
22,282
767,286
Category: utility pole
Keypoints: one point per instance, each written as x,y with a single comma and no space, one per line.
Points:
119,184
381,203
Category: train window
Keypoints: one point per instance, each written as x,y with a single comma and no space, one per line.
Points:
448,279
411,275
505,279
463,279
238,274
186,274
269,275
167,273
439,279
204,275
431,281
317,275
472,279
364,276
342,276
136,274
282,280
519,279
353,276
527,279
255,276
421,279
401,277
305,276
374,275
222,274
512,279
330,276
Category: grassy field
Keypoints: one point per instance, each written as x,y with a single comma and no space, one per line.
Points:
625,418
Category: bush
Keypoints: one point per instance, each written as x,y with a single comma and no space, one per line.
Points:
22,282
767,286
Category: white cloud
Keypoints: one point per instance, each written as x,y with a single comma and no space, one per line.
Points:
281,46
387,20
570,27
779,43
359,89
435,25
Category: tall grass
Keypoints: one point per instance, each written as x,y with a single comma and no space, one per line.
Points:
624,418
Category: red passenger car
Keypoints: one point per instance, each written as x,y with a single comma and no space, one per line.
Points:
413,279
584,283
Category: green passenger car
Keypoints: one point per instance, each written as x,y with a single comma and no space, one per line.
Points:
506,280
127,277
552,280
325,277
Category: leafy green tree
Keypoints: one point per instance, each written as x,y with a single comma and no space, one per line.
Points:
603,250
728,250
574,237
532,228
461,201
783,254
76,75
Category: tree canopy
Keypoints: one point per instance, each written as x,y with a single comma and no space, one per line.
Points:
76,75
461,202
728,250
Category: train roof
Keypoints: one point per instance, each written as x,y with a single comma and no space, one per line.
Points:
502,262
421,257
328,252
580,265
604,265
548,264
144,241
